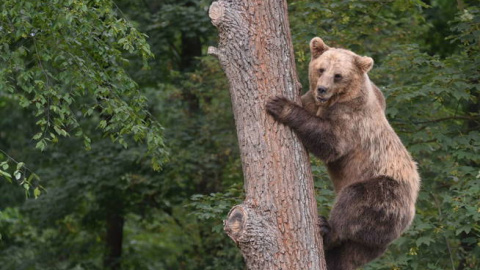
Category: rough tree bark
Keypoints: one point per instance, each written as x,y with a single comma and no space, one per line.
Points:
275,227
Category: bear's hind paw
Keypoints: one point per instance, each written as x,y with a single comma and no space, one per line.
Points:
324,225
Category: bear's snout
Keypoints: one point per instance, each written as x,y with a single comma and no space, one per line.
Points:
322,90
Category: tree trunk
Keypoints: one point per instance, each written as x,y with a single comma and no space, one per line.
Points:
276,226
113,241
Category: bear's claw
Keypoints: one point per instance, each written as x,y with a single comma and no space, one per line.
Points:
324,225
276,105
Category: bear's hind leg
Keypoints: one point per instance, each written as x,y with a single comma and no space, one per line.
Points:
371,213
365,219
351,255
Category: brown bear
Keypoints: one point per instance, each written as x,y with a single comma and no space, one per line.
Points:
342,122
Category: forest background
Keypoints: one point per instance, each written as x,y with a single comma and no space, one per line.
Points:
117,139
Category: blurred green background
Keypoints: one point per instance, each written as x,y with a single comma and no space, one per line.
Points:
118,146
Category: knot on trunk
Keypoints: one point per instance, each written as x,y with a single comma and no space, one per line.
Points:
216,12
256,235
235,222
231,25
245,225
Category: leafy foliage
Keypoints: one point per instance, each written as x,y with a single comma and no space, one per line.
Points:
65,62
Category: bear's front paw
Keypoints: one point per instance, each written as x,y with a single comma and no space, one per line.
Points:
324,226
278,107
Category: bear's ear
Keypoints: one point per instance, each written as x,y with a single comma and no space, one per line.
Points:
317,47
365,63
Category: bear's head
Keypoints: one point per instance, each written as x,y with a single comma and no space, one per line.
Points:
336,75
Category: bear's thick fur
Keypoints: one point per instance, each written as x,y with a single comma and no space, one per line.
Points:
342,122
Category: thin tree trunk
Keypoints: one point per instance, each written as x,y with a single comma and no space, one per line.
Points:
113,241
275,227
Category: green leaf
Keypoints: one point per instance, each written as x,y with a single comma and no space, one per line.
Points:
40,145
424,240
36,192
20,165
4,165
5,174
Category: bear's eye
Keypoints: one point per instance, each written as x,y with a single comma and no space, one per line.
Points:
337,77
321,70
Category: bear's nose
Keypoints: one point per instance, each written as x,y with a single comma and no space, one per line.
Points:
322,90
